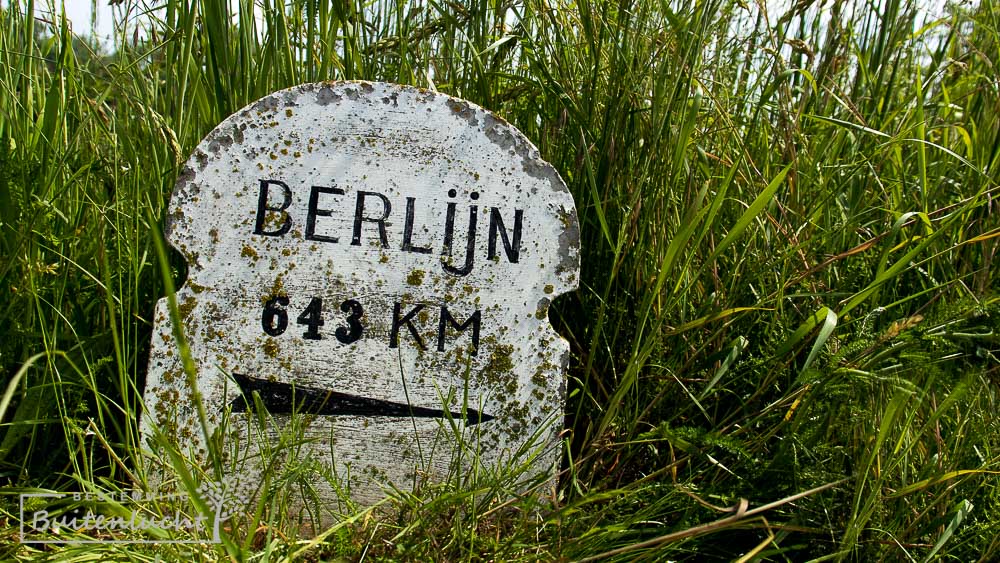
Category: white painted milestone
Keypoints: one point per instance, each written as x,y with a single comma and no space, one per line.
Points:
377,262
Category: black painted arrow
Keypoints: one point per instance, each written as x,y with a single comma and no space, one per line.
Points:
281,398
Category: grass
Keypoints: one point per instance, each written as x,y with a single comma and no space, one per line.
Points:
789,245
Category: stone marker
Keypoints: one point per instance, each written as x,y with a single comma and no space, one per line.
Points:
379,259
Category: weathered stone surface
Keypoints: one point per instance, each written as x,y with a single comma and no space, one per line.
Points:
387,256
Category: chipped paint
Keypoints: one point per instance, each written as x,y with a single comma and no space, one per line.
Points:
383,241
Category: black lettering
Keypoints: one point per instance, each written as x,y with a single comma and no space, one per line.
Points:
475,320
274,319
359,218
449,235
314,210
449,227
353,332
262,208
511,248
398,322
408,245
312,317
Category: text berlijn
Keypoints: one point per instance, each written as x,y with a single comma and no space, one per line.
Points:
372,212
